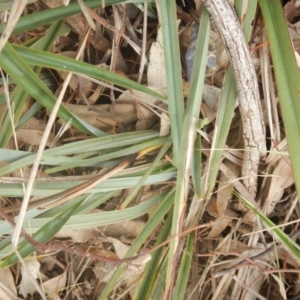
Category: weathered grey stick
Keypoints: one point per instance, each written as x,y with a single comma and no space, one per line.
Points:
247,87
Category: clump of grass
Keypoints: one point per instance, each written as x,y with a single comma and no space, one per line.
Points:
180,187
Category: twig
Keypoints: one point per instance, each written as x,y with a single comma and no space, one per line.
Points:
247,87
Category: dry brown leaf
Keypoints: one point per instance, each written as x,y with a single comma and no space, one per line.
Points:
54,285
184,37
297,56
132,273
120,64
27,282
78,235
224,194
120,248
76,80
218,207
85,13
211,96
164,124
124,112
221,53
47,263
212,209
295,35
103,270
156,73
32,132
235,246
282,178
198,4
130,228
8,289
219,225
146,117
248,252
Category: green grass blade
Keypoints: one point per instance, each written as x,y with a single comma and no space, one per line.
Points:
113,155
285,239
19,95
176,109
94,220
52,156
118,183
195,94
184,269
223,122
196,166
191,118
153,165
43,235
152,272
20,72
90,202
287,77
